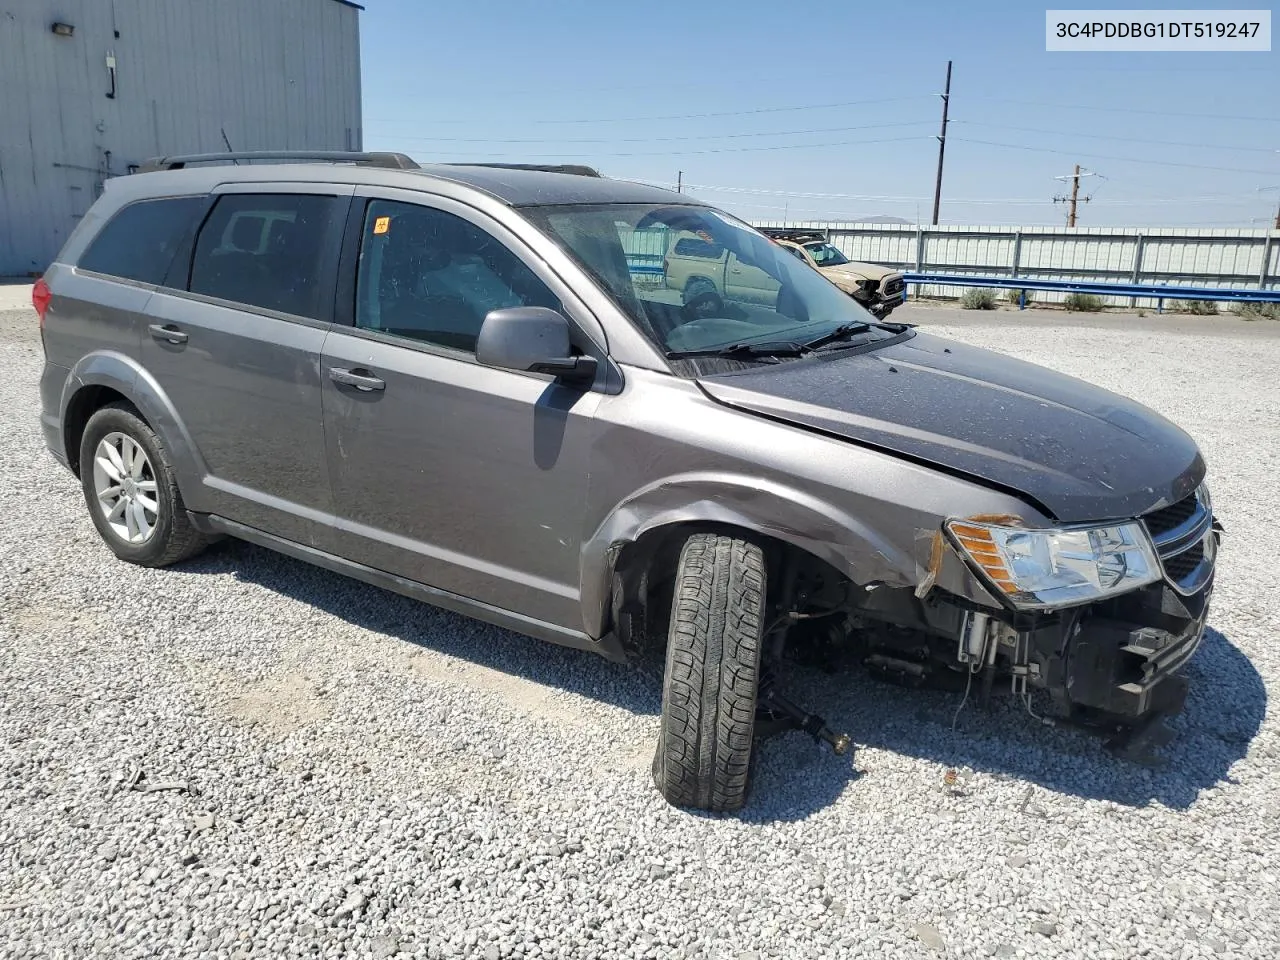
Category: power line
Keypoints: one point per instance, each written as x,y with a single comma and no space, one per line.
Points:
849,103
701,136
1100,136
1154,113
1103,156
679,153
1250,197
704,116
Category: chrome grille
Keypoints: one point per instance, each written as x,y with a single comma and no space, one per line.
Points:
1185,540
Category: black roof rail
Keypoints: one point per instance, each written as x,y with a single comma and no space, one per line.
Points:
395,161
794,234
574,168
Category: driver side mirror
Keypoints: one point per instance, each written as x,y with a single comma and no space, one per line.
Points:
532,340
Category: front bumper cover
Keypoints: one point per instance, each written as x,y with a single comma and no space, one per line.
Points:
1121,658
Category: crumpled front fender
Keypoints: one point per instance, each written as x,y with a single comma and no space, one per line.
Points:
850,544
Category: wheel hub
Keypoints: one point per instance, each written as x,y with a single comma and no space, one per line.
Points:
124,485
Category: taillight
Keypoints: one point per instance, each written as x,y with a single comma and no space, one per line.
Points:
40,297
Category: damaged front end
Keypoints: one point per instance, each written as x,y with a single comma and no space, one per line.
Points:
1004,608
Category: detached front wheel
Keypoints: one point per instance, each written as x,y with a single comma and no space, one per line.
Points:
712,674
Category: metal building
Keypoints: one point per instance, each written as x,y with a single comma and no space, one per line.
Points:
91,88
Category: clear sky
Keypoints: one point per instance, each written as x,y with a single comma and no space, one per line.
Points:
831,109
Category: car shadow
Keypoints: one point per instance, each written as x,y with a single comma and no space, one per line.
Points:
422,625
793,777
1225,707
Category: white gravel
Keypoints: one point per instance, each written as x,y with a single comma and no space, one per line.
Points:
366,775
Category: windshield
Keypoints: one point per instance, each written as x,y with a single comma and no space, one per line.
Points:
825,255
694,279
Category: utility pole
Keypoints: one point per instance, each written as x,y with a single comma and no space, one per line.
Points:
942,145
679,181
1074,199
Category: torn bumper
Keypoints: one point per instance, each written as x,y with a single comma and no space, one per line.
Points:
1121,658
1115,659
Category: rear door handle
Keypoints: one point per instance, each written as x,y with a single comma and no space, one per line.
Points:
359,378
167,332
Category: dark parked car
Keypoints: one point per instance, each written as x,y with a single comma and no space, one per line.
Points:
444,381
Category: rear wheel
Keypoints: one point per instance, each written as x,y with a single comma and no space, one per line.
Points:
713,663
131,492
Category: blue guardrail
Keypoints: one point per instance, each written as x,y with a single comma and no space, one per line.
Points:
1143,291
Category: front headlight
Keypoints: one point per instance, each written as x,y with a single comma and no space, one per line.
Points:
1042,569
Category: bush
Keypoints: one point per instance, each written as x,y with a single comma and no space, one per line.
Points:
978,300
1201,308
1015,297
1083,303
1257,311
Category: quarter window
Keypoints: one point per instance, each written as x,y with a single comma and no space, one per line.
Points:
139,242
432,276
265,250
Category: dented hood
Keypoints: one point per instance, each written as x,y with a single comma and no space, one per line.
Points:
1081,452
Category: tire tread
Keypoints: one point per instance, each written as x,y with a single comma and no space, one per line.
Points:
709,691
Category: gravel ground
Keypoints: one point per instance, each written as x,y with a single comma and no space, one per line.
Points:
245,756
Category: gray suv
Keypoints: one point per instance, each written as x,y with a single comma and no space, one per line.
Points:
451,382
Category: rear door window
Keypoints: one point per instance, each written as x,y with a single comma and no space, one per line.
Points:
266,250
139,242
697,247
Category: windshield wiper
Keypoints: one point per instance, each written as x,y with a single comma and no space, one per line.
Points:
775,348
842,332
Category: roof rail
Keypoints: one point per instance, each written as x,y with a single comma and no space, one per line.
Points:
396,161
573,168
794,234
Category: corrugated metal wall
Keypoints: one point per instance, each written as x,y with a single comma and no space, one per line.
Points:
274,74
1174,256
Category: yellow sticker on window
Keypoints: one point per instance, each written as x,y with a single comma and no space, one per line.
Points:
381,225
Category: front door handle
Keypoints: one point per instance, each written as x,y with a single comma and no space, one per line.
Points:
359,378
168,332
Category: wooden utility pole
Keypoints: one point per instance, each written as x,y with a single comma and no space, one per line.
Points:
942,145
1074,199
1075,194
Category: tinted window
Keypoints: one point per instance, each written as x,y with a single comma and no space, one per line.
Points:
431,276
139,242
694,247
265,250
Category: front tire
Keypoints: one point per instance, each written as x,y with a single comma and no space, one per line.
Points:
131,492
705,739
